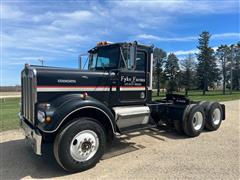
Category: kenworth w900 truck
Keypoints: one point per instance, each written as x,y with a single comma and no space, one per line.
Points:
79,111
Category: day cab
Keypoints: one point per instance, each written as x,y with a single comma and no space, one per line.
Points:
79,111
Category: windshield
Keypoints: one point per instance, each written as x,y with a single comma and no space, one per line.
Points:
104,58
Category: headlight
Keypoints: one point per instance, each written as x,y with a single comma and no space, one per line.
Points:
41,116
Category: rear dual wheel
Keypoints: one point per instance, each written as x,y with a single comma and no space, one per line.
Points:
194,120
213,115
197,116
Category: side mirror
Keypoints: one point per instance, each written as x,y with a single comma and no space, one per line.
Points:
82,60
133,51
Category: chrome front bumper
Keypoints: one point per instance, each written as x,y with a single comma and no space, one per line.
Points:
33,135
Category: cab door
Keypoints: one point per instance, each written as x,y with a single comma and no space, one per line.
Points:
132,86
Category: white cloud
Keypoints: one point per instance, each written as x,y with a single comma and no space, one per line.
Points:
44,41
187,38
9,12
148,36
50,31
74,18
180,6
22,60
183,53
191,51
226,35
158,38
77,15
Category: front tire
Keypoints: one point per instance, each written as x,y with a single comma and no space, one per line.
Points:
80,145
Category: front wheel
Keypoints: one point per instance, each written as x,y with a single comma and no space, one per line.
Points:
80,145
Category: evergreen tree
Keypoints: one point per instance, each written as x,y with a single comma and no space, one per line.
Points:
188,73
236,67
224,54
172,72
207,70
159,57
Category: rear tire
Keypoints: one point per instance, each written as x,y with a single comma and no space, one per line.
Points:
80,145
213,116
178,126
204,104
194,121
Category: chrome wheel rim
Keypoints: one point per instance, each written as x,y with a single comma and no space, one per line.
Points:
197,121
84,145
216,116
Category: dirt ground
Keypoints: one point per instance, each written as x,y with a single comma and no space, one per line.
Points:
9,94
145,154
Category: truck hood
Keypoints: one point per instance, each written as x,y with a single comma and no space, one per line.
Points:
69,78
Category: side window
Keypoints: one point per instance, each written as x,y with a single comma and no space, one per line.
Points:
94,61
141,61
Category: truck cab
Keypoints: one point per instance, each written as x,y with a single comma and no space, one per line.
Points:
81,110
128,66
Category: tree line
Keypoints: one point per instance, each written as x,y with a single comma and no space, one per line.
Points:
209,68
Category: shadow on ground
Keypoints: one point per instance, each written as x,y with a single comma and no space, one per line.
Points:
19,161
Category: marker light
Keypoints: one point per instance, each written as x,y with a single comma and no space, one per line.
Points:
85,94
103,43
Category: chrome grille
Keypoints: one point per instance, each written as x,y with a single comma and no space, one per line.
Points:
29,96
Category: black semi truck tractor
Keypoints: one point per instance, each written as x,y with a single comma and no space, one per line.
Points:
79,111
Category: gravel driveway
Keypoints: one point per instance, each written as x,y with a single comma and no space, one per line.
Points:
146,154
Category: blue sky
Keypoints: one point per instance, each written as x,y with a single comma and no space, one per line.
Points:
58,31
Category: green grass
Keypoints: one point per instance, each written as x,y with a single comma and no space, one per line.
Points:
9,113
210,95
10,106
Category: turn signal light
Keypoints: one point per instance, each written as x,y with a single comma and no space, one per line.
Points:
48,119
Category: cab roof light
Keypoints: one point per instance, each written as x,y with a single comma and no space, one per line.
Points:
103,43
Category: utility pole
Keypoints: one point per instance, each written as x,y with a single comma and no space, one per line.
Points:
41,60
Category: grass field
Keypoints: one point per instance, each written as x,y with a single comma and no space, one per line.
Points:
210,95
9,113
9,107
